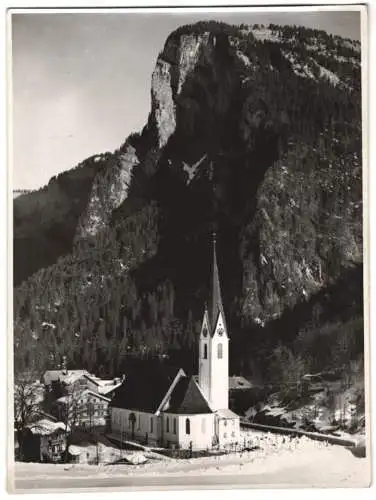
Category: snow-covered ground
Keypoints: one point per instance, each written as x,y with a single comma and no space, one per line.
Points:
276,460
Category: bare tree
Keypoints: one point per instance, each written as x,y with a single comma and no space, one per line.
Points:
70,411
288,369
26,404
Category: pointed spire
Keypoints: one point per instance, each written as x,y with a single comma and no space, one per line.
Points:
216,304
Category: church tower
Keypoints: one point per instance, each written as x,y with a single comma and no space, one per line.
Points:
213,349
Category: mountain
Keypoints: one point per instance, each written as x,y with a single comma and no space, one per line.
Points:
254,132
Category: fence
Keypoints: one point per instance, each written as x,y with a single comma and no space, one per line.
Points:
297,432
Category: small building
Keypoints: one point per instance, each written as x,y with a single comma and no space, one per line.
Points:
74,454
44,441
168,408
238,383
84,409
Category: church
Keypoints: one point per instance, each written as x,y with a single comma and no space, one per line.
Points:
169,408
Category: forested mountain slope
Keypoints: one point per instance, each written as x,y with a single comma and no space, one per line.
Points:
253,131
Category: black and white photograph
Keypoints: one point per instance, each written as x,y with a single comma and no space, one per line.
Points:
189,299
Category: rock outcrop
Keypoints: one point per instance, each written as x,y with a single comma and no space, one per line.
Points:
109,190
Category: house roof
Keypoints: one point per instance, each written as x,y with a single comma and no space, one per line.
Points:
92,378
234,382
144,390
186,398
237,382
68,377
74,450
107,389
226,414
46,427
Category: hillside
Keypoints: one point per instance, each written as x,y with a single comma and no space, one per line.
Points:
253,131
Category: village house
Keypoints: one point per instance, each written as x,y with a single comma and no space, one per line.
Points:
170,409
81,379
79,397
84,409
44,441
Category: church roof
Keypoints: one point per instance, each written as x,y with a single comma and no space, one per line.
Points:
186,398
144,390
215,302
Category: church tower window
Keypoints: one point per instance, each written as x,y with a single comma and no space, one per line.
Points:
205,351
187,426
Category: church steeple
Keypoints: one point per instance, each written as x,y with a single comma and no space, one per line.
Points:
214,345
215,304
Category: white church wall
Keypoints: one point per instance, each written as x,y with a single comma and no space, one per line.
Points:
228,431
146,425
219,371
201,431
169,429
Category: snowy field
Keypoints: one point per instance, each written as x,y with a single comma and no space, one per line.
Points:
277,461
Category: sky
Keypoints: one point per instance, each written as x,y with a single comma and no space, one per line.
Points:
81,81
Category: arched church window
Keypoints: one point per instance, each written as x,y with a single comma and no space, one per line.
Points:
174,425
220,351
167,424
187,426
205,351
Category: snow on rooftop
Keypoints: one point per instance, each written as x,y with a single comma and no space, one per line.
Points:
68,377
46,427
74,450
108,388
103,382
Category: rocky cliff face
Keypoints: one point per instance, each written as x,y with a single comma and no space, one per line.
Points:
214,97
108,192
256,132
